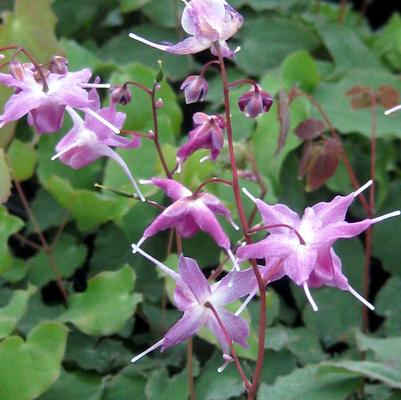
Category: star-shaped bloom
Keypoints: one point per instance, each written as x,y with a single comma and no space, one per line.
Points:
189,214
207,134
304,245
195,88
45,109
192,295
91,138
208,22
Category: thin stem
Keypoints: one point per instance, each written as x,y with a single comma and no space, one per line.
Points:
368,236
142,135
244,223
130,196
230,344
191,384
28,242
206,67
241,82
211,180
343,11
156,133
35,64
351,173
139,86
45,246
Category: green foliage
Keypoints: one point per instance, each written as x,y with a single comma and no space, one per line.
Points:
22,159
5,179
28,368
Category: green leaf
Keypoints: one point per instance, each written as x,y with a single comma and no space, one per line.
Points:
127,384
305,384
162,387
300,69
8,225
22,159
75,385
163,13
139,109
79,57
347,50
89,208
106,304
254,35
332,96
5,179
14,311
339,311
372,370
67,256
28,368
213,386
131,5
388,302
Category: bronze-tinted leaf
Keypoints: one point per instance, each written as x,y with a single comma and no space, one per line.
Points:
310,129
388,96
360,97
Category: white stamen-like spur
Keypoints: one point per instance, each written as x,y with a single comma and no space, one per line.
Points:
148,42
147,351
393,110
360,298
95,85
363,188
309,297
248,194
102,120
385,216
246,302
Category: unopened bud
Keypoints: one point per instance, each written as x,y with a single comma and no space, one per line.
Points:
159,103
17,70
195,89
58,65
2,56
255,102
120,95
160,74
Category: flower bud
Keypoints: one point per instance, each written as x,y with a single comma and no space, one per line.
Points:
120,95
195,89
17,70
159,103
255,102
58,65
1,56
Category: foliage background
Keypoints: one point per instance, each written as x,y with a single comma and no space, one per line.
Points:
118,305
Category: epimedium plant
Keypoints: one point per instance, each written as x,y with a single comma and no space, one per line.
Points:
298,248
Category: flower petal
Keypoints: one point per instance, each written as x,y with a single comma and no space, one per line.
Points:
333,211
194,278
300,263
186,327
172,188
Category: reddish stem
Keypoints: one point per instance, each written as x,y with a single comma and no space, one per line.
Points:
206,67
211,180
35,64
240,207
191,384
241,82
139,86
230,344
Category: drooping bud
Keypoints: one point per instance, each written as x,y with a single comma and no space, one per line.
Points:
195,88
17,70
58,65
120,94
255,102
159,103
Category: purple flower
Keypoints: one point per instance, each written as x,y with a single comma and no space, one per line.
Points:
208,22
195,88
304,245
255,102
189,214
207,134
91,138
120,95
191,295
46,109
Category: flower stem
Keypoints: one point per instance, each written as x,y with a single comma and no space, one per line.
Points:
36,65
191,385
211,180
240,207
230,344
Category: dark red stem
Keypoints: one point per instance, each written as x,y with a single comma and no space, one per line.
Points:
211,180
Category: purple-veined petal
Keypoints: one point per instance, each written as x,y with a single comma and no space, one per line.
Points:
233,286
194,278
187,326
187,227
191,45
208,223
172,188
299,264
47,118
333,211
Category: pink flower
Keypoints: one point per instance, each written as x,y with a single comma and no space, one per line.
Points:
208,22
192,293
255,102
46,109
304,245
195,88
207,134
92,138
189,214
